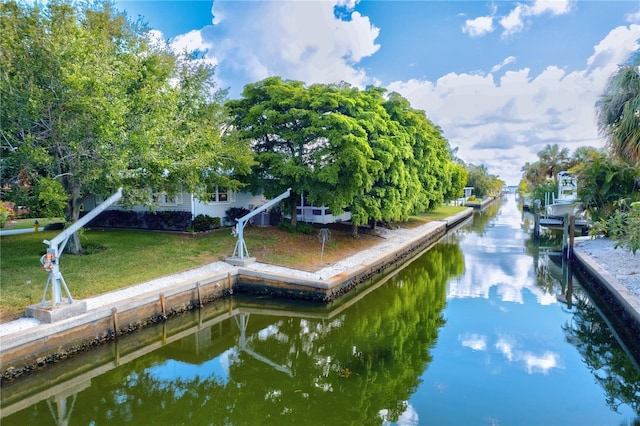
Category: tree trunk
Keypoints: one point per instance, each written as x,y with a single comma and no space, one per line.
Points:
294,213
73,245
354,230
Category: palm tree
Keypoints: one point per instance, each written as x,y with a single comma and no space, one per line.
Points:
618,111
553,160
532,173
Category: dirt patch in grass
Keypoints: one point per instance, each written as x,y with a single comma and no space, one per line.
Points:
304,251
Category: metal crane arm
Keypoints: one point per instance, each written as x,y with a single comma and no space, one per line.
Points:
241,249
244,219
50,261
64,235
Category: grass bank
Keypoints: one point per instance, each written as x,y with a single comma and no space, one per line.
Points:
28,223
119,258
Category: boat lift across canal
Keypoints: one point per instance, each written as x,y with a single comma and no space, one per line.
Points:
240,255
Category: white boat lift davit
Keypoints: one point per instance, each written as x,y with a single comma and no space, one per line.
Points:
240,255
58,309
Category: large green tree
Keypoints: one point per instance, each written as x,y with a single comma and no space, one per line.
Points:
395,184
439,177
618,111
343,147
302,140
90,103
482,181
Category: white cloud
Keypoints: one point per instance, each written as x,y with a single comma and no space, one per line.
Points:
409,416
505,346
296,40
633,17
555,7
508,60
496,118
540,363
191,41
516,20
504,122
479,26
532,362
513,22
614,50
474,341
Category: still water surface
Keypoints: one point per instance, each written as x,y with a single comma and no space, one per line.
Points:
481,329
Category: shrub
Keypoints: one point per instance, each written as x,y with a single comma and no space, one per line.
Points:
160,221
4,216
301,228
234,213
204,222
623,227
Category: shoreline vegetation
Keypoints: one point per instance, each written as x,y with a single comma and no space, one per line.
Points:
116,259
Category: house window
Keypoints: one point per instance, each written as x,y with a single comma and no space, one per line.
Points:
162,199
221,195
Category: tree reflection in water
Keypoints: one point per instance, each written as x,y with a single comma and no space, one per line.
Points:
359,366
611,366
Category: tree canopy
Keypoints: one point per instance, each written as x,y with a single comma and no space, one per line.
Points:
91,102
343,147
618,111
482,181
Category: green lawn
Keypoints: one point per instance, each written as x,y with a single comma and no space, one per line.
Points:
439,213
28,223
120,258
442,212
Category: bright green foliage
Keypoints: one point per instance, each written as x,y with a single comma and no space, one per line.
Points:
303,140
459,177
345,148
423,147
619,111
4,216
90,103
539,192
551,160
603,181
51,198
623,227
482,182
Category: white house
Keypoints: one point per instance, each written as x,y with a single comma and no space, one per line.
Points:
217,206
220,202
313,214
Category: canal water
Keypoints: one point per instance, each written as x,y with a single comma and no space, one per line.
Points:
484,328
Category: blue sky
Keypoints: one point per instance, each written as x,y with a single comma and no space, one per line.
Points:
502,79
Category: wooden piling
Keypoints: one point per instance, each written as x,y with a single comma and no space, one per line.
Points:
114,315
536,220
572,231
565,236
163,306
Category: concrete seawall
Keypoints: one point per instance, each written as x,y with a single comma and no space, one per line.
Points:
35,347
627,301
